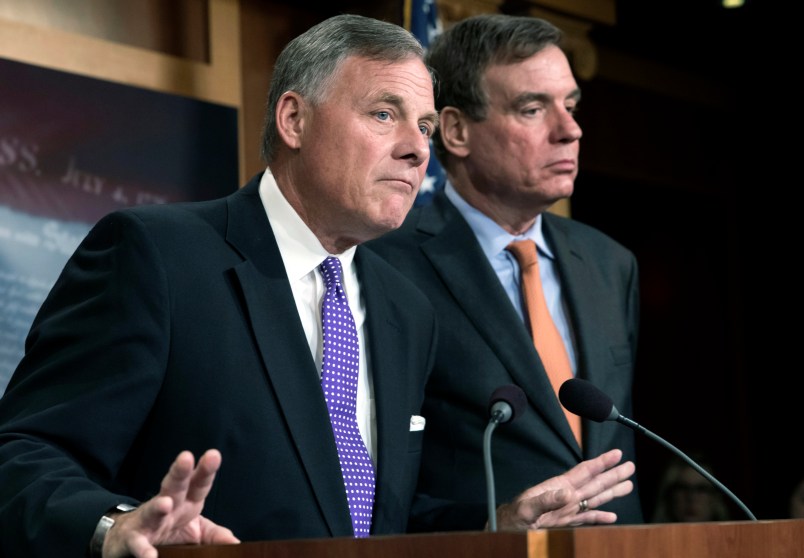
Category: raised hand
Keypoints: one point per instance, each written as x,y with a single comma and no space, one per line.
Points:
571,498
174,515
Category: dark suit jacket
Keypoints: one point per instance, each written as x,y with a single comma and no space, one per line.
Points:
484,344
173,328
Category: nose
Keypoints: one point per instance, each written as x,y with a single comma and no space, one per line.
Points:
413,145
566,129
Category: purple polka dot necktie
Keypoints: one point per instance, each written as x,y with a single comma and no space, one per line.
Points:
339,381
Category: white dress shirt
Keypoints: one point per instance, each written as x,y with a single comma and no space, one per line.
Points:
302,253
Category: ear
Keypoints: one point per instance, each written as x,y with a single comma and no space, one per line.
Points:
454,130
290,113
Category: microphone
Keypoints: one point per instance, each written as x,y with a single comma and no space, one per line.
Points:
506,404
585,399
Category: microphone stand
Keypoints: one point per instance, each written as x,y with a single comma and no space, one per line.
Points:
584,399
703,472
507,402
490,494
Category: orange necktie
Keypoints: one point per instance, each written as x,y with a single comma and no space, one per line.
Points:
546,338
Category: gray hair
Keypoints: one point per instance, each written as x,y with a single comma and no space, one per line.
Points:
461,55
308,63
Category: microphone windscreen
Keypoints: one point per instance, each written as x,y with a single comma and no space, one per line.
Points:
513,395
584,399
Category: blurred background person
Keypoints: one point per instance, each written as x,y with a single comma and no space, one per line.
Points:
684,495
796,503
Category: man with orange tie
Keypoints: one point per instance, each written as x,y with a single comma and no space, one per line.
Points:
509,142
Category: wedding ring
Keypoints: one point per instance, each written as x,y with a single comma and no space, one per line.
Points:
583,506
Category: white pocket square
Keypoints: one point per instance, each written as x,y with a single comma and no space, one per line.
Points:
416,423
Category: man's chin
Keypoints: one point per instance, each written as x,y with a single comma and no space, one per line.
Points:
396,209
389,220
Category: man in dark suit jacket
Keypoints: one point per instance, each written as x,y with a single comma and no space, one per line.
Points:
509,143
178,328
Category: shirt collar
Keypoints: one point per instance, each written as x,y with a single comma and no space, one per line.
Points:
300,249
492,237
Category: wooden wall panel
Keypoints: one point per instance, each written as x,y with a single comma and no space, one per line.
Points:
204,64
178,28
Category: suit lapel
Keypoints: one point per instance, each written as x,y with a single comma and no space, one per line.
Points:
454,253
579,293
268,301
391,386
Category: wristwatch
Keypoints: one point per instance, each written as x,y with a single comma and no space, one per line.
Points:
105,523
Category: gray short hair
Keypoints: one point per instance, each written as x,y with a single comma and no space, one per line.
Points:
308,62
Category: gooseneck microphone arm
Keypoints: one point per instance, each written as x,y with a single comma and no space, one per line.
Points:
585,399
506,404
491,498
703,472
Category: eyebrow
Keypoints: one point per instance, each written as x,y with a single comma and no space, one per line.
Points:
399,102
529,97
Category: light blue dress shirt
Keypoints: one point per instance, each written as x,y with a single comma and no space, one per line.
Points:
493,239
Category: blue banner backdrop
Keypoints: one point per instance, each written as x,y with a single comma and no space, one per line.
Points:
421,19
74,148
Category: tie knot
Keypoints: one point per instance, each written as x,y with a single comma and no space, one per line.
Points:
524,251
331,271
